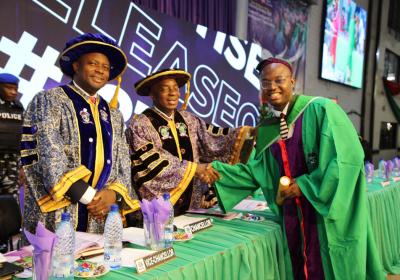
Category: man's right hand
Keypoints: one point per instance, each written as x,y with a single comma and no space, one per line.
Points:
206,173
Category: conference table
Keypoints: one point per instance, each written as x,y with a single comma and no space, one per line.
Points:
239,249
235,249
384,211
253,250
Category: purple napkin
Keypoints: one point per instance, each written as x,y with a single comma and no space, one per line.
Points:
42,242
161,213
147,211
388,169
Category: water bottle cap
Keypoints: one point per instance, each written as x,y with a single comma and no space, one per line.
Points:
114,208
65,216
166,196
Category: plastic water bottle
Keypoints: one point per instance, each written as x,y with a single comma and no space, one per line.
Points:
113,238
382,169
63,252
396,162
369,171
169,225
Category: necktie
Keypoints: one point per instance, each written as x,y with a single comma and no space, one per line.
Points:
92,99
283,127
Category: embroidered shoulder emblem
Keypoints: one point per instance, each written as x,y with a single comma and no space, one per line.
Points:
85,115
182,129
164,132
104,115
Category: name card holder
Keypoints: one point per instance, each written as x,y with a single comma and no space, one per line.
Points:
385,183
200,225
153,260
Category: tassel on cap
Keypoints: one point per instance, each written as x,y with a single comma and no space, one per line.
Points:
185,102
114,99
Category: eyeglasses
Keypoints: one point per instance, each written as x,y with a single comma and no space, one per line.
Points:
265,84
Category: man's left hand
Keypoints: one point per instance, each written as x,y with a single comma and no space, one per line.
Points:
292,191
101,203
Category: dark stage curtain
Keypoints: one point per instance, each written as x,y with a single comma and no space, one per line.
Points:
215,14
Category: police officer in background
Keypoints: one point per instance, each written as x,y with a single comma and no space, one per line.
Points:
11,113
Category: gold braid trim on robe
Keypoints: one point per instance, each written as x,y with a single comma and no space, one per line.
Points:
142,148
153,165
147,154
56,199
28,137
150,167
46,204
81,172
26,153
187,178
99,160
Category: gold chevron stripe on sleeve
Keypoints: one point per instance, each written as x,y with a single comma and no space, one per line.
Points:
47,204
150,168
58,191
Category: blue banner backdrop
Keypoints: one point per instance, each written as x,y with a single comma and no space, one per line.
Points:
225,85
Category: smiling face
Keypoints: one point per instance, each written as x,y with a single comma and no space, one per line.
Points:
8,92
92,71
277,85
165,95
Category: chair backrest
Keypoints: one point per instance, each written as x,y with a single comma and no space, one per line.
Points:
10,217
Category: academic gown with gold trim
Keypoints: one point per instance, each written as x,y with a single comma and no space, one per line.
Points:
70,143
165,159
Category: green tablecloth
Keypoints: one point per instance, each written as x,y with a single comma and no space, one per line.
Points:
253,250
229,250
244,250
384,210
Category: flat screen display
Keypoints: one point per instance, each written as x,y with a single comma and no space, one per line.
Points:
343,42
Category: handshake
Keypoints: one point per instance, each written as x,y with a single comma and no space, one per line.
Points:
206,174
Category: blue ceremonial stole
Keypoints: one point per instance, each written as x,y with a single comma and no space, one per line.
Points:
88,135
88,140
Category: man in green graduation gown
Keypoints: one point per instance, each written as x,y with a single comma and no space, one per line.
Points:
324,212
